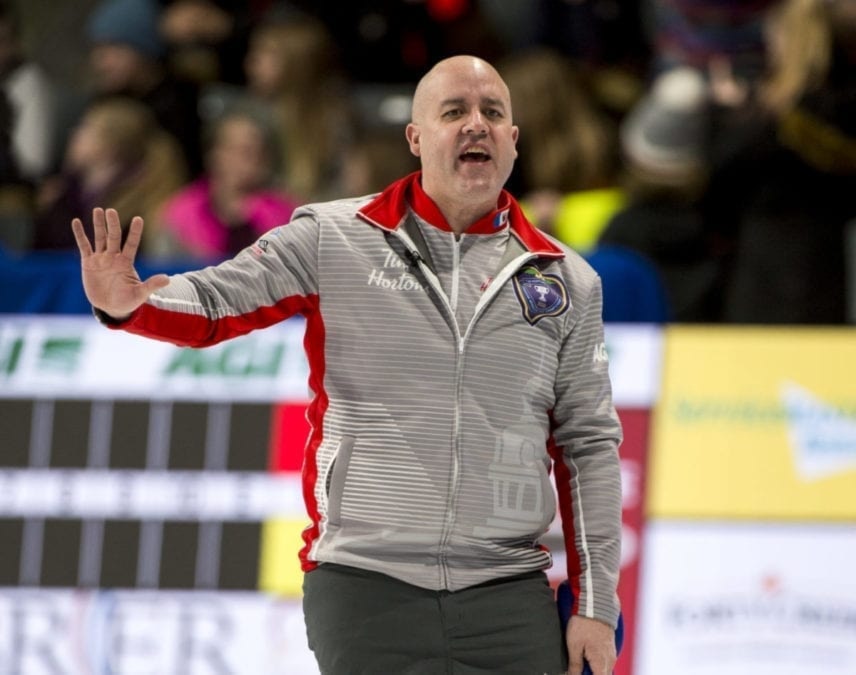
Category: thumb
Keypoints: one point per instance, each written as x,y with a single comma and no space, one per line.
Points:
155,283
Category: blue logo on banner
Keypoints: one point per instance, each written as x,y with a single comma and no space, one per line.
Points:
540,294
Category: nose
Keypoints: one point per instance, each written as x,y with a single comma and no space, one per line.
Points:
475,123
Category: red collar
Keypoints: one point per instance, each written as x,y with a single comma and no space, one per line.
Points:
426,209
390,207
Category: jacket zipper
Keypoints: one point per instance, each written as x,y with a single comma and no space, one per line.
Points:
431,279
456,274
501,279
460,340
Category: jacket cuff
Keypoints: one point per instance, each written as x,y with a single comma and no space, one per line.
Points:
111,321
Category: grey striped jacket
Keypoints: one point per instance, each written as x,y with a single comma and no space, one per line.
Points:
450,376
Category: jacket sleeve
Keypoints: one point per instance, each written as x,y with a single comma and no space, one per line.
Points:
265,283
587,433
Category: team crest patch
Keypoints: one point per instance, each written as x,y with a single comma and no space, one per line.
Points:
540,295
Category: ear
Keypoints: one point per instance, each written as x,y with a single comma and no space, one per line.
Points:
413,138
515,133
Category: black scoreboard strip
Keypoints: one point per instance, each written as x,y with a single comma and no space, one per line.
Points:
138,435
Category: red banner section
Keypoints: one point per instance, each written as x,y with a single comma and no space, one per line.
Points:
289,431
634,451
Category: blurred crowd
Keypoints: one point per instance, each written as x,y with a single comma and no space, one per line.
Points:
702,153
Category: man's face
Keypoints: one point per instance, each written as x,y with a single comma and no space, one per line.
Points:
462,132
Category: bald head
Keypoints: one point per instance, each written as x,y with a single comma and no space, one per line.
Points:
462,133
435,82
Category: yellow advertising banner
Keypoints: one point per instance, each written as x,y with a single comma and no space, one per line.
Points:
279,565
755,423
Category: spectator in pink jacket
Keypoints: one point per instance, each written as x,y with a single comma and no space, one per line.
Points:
233,202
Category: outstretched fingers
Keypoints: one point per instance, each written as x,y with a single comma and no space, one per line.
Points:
100,229
114,231
132,242
108,234
83,243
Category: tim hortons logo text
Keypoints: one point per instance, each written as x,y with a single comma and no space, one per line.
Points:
393,275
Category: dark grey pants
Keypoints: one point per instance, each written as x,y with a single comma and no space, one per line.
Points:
364,623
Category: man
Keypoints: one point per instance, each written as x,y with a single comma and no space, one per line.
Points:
455,354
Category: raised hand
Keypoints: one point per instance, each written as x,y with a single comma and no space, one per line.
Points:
109,279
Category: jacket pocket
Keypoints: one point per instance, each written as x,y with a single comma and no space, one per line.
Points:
336,479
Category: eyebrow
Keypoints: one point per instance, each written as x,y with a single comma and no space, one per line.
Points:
461,101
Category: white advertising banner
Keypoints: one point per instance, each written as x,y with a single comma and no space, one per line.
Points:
747,599
70,632
76,357
635,363
150,495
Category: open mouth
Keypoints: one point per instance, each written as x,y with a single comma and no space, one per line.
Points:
474,156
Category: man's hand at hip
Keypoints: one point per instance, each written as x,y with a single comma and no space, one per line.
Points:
593,641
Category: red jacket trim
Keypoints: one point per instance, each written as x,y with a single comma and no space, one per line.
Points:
388,210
